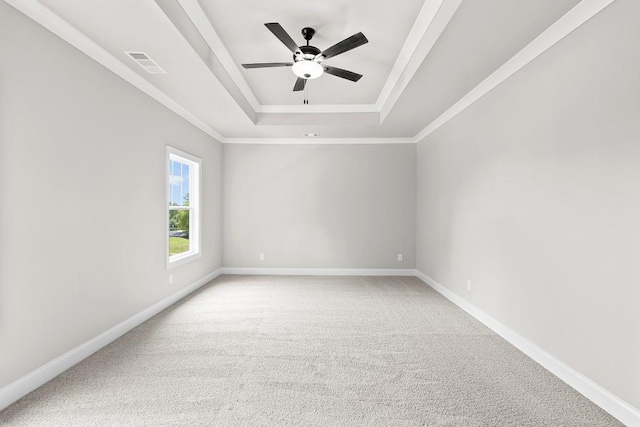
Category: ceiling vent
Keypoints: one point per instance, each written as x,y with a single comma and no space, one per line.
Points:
148,64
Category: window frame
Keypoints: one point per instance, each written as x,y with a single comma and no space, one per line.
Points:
195,210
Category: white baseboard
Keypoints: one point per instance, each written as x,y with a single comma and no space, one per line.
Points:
617,407
22,386
320,271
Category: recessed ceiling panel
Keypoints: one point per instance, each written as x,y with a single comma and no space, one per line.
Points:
386,24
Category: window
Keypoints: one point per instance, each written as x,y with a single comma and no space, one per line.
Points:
183,219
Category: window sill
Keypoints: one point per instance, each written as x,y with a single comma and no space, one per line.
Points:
178,260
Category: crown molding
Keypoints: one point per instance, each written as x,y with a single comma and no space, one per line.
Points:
200,20
419,28
67,32
314,109
429,25
573,19
317,141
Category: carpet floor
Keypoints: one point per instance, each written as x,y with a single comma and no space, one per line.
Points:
313,351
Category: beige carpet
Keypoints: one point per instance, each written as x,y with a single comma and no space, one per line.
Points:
316,351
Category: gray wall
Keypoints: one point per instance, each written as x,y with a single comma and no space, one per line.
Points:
82,186
533,193
319,206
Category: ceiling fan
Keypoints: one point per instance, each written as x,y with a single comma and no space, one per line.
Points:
308,60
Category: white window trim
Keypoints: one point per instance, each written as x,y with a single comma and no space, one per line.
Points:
195,231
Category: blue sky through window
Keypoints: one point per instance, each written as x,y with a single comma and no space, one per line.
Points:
179,182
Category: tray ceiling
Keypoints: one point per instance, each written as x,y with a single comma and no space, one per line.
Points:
425,60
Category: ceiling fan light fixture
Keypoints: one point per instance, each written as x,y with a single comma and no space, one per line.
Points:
308,60
307,69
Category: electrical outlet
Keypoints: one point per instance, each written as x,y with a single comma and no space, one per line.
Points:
399,257
261,257
468,284
171,279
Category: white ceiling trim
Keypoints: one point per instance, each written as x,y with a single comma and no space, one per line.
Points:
419,28
577,16
203,25
61,28
323,141
398,80
313,109
432,22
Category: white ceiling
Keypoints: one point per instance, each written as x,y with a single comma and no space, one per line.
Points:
421,59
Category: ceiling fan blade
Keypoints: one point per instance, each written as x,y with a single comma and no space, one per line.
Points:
283,36
345,74
300,83
347,44
268,65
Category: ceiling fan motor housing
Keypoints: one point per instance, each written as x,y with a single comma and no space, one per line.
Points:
309,55
308,52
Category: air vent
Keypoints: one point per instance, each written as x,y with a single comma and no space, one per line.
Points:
312,134
148,64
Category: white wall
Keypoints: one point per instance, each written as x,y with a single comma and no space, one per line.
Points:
533,193
319,206
82,191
